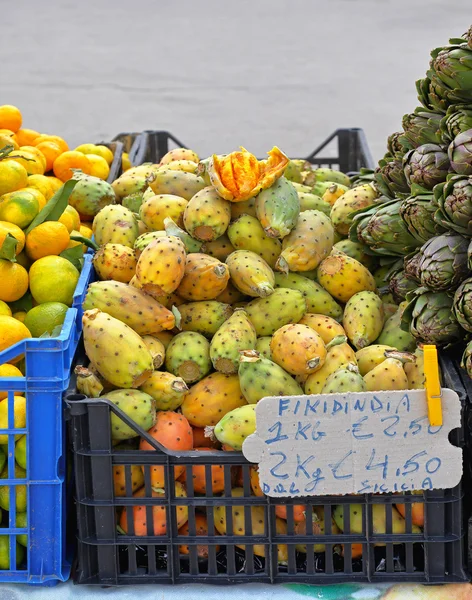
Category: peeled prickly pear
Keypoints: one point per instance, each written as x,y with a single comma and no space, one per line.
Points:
246,233
138,406
298,349
318,300
346,379
277,208
280,308
161,266
207,216
250,273
204,317
115,224
167,389
236,426
343,276
115,261
237,333
363,319
154,210
204,279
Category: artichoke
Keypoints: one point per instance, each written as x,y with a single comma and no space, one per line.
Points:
454,201
429,318
397,144
400,285
426,166
453,67
443,262
469,255
418,213
381,228
390,178
421,127
364,176
411,266
466,362
468,37
460,153
462,305
457,120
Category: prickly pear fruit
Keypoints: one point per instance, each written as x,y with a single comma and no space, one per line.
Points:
312,202
236,426
317,528
180,154
293,171
318,300
90,195
189,166
136,478
334,192
161,266
308,243
188,356
231,295
277,208
393,335
220,248
211,398
207,216
87,382
145,239
346,379
357,251
250,273
205,277
260,377
282,307
171,430
262,346
343,276
167,390
304,189
165,337
325,174
246,233
204,317
130,183
415,371
248,207
133,201
138,406
339,354
201,528
130,305
354,199
389,375
154,210
237,333
370,357
176,183
199,482
157,350
363,319
190,244
298,349
116,351
115,224
115,261
326,327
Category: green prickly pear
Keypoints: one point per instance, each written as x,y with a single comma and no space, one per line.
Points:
167,389
154,210
250,273
347,379
263,346
318,300
282,307
390,374
338,356
191,245
304,189
363,319
357,250
237,333
207,216
130,183
177,183
260,377
90,195
138,406
188,356
293,171
115,224
331,175
277,208
308,243
248,207
246,233
353,200
115,350
312,202
161,266
145,239
133,202
204,317
116,262
370,357
393,335
235,426
343,276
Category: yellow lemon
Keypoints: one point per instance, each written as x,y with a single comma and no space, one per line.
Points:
20,422
67,161
105,153
100,166
5,310
20,316
125,162
18,207
55,183
31,162
42,184
9,228
44,318
48,238
8,140
26,137
7,370
86,148
70,218
13,176
53,279
12,332
36,152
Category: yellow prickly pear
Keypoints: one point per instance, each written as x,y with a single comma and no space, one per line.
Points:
250,273
167,389
277,208
176,183
236,426
326,327
339,354
161,266
370,357
282,307
248,207
157,350
333,193
189,166
298,349
153,211
204,317
88,382
262,346
390,374
180,154
346,379
318,300
207,216
343,276
204,279
363,319
220,248
231,295
246,233
188,356
415,371
354,199
237,333
115,224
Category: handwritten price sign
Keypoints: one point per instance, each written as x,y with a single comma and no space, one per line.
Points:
371,442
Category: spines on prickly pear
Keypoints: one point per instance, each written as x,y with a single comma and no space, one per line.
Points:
262,346
250,273
363,319
130,183
207,216
189,166
220,248
115,261
237,333
277,208
353,200
236,426
90,195
260,377
334,192
339,355
280,308
138,406
204,279
309,242
154,210
390,374
115,350
370,357
298,349
115,224
167,389
318,300
204,317
191,245
157,350
180,154
246,233
326,174
145,239
326,327
176,183
357,250
161,266
130,305
344,380
343,276
188,356
248,207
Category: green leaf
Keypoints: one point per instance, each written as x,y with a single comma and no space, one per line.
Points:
24,303
80,238
6,150
8,248
75,256
55,206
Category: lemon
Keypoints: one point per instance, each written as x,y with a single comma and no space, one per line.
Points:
48,238
5,551
8,370
21,522
13,176
70,218
12,332
42,184
19,316
105,153
125,162
20,490
5,310
44,318
20,451
37,194
53,279
86,148
31,162
19,208
99,167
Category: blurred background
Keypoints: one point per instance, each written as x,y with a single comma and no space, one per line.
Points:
219,74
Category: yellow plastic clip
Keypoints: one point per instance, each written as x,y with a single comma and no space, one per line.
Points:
433,385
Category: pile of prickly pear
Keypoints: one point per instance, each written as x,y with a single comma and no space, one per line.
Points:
224,281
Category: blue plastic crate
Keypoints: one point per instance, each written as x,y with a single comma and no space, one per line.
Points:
48,364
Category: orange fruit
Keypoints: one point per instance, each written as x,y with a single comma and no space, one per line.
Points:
55,183
53,279
32,163
9,228
12,331
14,280
52,138
70,218
7,370
26,137
86,148
35,152
8,140
100,166
37,194
51,151
13,176
42,184
67,161
125,162
47,239
19,207
10,117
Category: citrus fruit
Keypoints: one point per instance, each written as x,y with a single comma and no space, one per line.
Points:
86,231
48,238
5,551
7,140
100,166
50,151
74,243
5,310
14,280
23,260
70,218
22,523
26,137
8,370
19,421
42,184
55,183
105,153
12,332
18,207
13,176
35,152
30,161
10,117
44,318
20,454
125,162
86,148
19,316
9,228
53,279
52,138
37,194
67,161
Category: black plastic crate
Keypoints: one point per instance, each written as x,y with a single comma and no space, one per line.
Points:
108,556
349,149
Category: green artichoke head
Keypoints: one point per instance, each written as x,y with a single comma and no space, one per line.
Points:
454,201
443,262
426,165
462,305
460,153
458,119
421,127
418,213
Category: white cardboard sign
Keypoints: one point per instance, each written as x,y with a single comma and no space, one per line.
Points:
356,443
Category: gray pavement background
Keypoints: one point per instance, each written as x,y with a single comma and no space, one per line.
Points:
218,73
